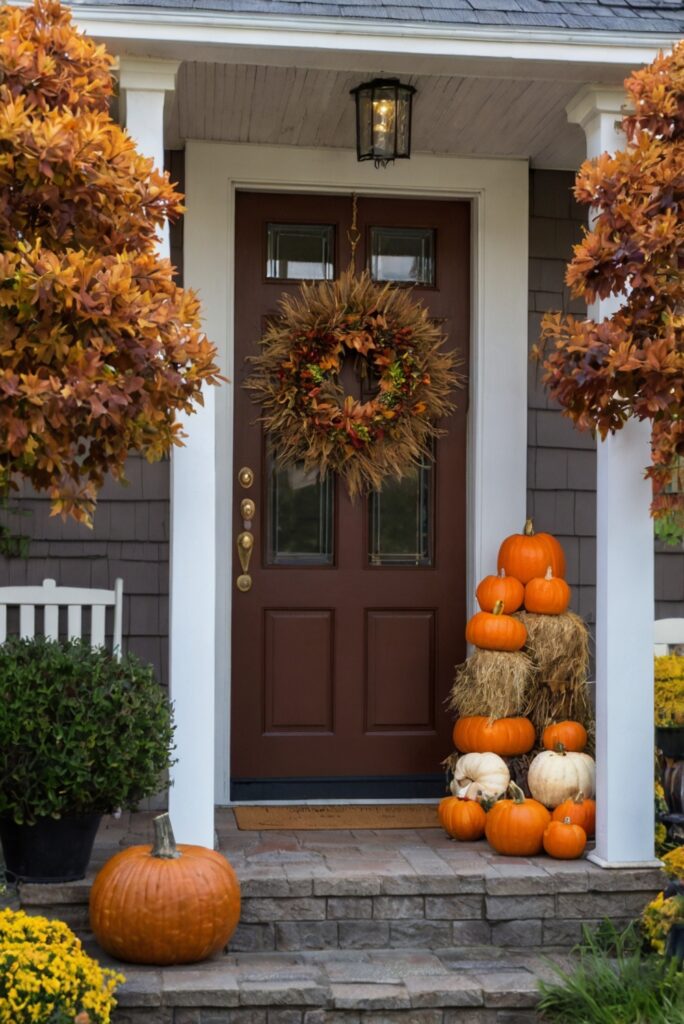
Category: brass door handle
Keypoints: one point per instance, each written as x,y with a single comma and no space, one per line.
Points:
245,546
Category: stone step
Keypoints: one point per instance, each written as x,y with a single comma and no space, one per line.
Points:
516,904
386,986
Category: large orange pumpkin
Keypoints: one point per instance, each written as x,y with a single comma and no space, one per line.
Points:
165,904
571,736
462,819
528,554
580,810
508,737
495,631
515,827
500,588
547,595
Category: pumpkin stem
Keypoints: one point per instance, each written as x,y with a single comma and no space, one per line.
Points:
502,573
560,748
516,793
579,799
164,840
549,574
498,608
566,821
529,528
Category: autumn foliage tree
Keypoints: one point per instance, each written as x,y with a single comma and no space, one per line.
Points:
99,348
631,364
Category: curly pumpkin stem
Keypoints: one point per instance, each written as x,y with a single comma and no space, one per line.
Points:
529,528
516,793
164,839
498,608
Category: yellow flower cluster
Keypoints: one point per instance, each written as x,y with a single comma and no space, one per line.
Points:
45,975
669,690
658,917
674,863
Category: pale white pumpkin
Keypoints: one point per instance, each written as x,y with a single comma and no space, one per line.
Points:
556,775
480,775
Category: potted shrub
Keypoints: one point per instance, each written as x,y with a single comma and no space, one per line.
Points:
669,705
82,735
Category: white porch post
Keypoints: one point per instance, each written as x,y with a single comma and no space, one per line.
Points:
624,590
144,84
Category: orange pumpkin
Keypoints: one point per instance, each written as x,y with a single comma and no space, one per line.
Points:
515,827
570,735
164,904
500,588
527,554
507,737
580,810
462,819
547,595
564,840
495,631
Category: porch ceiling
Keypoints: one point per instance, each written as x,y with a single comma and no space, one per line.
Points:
456,115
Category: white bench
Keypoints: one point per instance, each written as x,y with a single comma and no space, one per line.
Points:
51,598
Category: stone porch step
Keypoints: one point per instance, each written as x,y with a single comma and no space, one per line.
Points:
457,986
501,902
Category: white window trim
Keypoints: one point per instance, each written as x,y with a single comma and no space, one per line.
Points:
497,417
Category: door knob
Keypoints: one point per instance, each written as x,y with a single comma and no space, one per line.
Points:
245,546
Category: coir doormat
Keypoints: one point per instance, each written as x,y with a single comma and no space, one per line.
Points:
333,816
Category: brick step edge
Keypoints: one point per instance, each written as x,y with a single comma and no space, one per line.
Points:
303,1015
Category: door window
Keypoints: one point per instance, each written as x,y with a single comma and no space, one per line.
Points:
403,255
400,519
300,252
300,519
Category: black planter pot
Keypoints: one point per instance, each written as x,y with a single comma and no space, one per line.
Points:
670,742
52,850
675,942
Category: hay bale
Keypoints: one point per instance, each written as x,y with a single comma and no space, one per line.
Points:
558,646
491,683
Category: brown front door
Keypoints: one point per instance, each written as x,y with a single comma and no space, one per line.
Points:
344,648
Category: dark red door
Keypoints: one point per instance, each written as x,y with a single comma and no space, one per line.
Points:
344,647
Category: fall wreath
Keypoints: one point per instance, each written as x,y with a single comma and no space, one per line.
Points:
398,355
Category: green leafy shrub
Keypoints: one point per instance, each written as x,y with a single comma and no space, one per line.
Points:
81,732
615,982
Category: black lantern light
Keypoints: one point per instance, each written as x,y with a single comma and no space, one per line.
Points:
383,120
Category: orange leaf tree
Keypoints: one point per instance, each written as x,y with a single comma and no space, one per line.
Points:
99,348
631,364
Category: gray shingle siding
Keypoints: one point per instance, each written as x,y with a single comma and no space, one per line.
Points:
641,16
562,460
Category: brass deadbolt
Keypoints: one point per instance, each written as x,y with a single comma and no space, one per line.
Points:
246,476
247,509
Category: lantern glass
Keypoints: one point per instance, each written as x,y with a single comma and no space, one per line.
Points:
383,120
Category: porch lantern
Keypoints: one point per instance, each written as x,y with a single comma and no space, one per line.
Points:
383,120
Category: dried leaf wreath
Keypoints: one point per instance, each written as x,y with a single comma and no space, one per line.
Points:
398,352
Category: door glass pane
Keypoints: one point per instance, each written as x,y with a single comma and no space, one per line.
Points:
300,517
300,252
400,519
404,255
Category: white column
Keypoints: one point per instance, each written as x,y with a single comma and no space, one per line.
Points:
192,639
624,590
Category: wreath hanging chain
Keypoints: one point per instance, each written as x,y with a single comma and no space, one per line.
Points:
398,350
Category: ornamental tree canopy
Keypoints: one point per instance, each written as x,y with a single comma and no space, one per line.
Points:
632,363
99,348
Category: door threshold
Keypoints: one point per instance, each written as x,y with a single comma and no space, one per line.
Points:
332,802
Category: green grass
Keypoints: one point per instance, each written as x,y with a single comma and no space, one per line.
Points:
615,982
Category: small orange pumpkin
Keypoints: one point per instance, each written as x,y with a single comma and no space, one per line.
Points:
462,819
564,840
495,631
547,595
571,735
580,810
527,554
515,827
500,588
164,904
507,737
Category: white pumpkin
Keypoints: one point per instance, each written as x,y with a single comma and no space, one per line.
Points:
557,775
480,775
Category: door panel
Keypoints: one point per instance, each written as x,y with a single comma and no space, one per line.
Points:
344,648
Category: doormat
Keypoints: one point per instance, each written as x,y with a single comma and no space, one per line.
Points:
332,816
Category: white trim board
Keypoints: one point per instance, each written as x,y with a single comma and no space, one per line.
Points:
497,417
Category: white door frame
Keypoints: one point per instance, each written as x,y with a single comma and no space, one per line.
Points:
497,416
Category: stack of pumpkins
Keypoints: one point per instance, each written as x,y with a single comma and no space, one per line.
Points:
559,816
561,777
